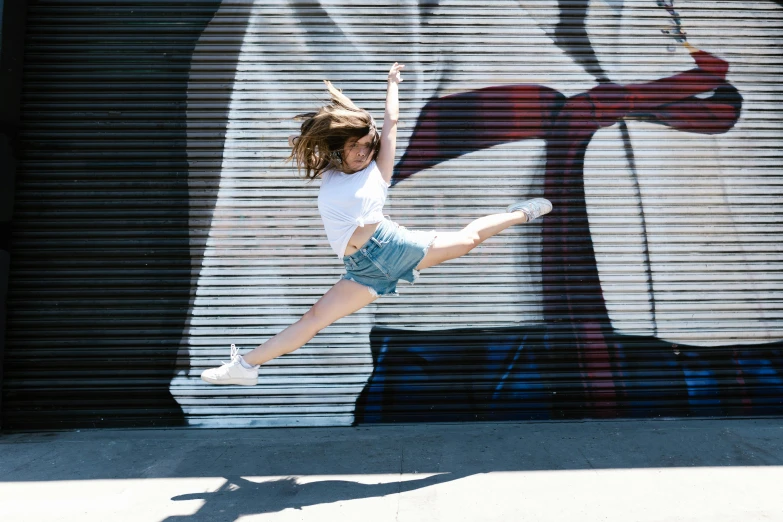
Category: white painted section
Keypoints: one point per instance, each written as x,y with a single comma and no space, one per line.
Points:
264,240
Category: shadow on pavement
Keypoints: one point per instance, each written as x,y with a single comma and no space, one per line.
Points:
241,497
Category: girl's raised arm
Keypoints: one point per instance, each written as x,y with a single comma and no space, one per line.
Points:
385,158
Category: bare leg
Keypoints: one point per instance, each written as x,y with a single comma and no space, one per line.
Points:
451,245
344,298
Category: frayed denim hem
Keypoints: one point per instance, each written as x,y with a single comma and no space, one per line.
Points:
372,290
417,273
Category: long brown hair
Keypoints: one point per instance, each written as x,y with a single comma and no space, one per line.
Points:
323,134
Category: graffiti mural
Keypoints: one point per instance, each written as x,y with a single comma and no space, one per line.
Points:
649,290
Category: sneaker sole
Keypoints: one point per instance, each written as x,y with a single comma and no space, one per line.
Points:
239,382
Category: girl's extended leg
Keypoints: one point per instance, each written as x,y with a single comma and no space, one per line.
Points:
344,298
451,245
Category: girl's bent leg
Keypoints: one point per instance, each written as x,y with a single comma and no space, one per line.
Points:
344,298
451,245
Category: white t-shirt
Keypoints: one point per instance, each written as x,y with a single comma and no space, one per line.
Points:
347,201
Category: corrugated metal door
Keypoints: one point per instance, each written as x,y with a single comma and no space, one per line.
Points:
652,289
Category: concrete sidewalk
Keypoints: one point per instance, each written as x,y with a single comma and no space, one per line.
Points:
662,470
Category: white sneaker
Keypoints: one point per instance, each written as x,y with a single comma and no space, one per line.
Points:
232,372
532,208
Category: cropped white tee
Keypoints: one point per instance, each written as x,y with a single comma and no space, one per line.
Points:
347,201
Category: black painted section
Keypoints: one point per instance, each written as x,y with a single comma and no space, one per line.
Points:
571,36
11,62
4,262
100,279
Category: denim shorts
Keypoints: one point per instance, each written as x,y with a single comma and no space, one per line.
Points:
391,254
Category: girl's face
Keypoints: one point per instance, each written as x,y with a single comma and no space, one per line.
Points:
357,153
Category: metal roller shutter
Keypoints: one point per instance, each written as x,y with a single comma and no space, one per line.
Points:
157,222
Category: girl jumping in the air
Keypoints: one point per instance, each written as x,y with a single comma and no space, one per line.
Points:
340,143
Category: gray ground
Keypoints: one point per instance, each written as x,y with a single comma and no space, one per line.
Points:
661,470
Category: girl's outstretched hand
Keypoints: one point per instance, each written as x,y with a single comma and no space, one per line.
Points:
395,75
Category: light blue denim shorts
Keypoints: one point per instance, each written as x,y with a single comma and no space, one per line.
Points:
391,254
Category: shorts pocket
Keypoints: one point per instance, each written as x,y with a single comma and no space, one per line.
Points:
376,256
